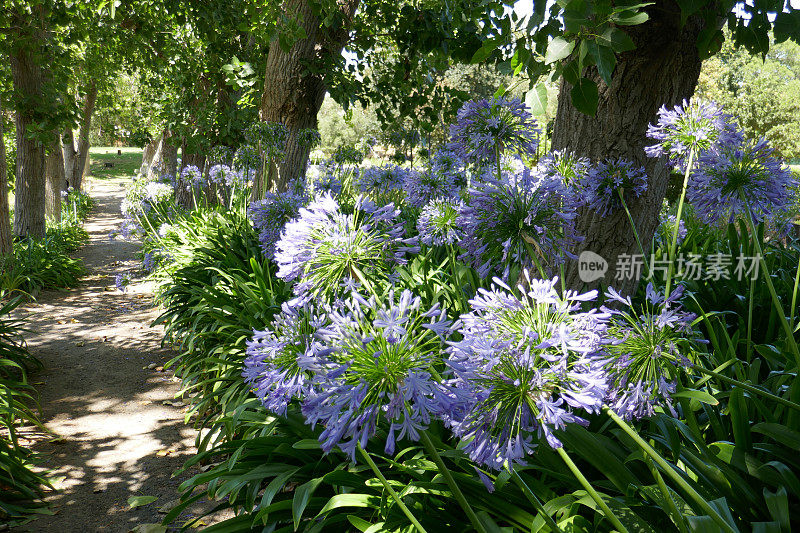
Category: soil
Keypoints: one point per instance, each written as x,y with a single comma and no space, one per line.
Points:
104,394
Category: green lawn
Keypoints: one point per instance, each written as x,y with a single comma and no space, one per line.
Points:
124,165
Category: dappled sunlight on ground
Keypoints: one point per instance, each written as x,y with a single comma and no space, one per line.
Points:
116,429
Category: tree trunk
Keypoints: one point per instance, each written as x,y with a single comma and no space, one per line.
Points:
6,245
154,170
293,92
54,180
169,155
662,70
183,192
29,218
147,156
70,156
83,136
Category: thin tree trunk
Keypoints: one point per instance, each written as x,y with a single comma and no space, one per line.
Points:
29,217
54,180
70,156
154,170
663,69
293,92
147,156
83,136
169,154
6,245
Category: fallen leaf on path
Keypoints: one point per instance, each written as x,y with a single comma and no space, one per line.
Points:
164,453
80,344
138,501
149,528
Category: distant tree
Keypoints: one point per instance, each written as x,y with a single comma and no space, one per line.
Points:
763,94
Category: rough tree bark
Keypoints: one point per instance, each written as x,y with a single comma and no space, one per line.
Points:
293,93
663,69
54,179
79,171
29,217
183,194
6,244
147,156
70,155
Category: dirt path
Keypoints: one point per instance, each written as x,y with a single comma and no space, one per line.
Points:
118,438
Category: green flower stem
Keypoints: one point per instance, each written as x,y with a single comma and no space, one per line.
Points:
448,477
497,161
534,501
532,254
749,352
391,491
748,388
794,296
768,278
674,244
593,493
670,471
676,515
633,227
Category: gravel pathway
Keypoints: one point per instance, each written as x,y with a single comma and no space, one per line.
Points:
104,393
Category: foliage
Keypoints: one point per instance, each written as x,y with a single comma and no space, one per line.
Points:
22,487
762,93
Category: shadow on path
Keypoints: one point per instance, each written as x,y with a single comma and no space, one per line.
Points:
115,436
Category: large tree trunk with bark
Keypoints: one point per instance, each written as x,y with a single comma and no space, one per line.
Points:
70,155
662,70
29,217
54,180
293,92
6,244
79,171
183,191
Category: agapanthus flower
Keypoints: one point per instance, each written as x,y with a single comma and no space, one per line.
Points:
527,366
650,347
735,177
247,160
271,214
155,192
435,182
666,229
484,127
122,280
438,222
517,222
447,162
221,155
382,365
308,138
280,359
269,138
383,179
566,167
326,177
606,179
191,176
697,125
218,174
324,245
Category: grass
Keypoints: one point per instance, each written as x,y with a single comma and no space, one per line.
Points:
124,165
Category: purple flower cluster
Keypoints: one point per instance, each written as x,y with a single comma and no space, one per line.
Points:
697,126
122,280
519,221
324,245
736,177
192,176
485,127
527,365
271,214
326,178
607,179
438,222
280,359
566,167
422,187
381,363
383,179
648,349
269,137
